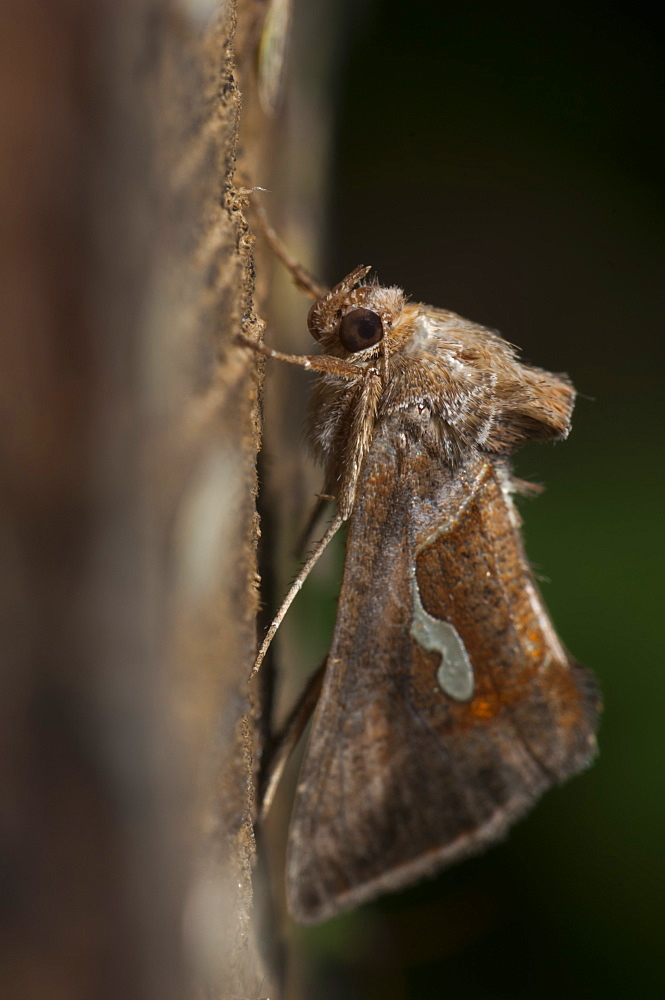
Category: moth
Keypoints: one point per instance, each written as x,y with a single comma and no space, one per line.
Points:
448,704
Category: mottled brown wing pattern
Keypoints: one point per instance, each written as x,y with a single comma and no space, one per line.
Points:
364,819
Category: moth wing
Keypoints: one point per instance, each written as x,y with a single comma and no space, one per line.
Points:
400,779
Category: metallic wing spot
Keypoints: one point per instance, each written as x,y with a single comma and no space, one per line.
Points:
455,674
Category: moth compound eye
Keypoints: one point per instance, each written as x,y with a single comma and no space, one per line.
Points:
360,328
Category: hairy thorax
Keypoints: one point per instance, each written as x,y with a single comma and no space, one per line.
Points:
436,378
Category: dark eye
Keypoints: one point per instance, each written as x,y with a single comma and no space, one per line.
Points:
359,329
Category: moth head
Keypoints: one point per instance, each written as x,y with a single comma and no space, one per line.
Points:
355,316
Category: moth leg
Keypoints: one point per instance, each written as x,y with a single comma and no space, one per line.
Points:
313,362
334,527
301,276
286,740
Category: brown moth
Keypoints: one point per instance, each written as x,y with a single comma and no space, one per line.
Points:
448,703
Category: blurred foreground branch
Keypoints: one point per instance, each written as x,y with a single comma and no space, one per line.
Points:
127,444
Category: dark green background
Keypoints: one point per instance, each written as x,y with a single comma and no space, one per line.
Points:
504,161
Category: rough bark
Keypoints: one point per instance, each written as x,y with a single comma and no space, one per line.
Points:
128,441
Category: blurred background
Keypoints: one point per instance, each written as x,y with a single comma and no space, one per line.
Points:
505,161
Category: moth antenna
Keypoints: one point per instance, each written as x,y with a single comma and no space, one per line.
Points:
286,740
302,278
334,527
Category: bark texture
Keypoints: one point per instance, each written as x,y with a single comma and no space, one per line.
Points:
127,525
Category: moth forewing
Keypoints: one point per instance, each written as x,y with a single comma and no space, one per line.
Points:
404,775
448,703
